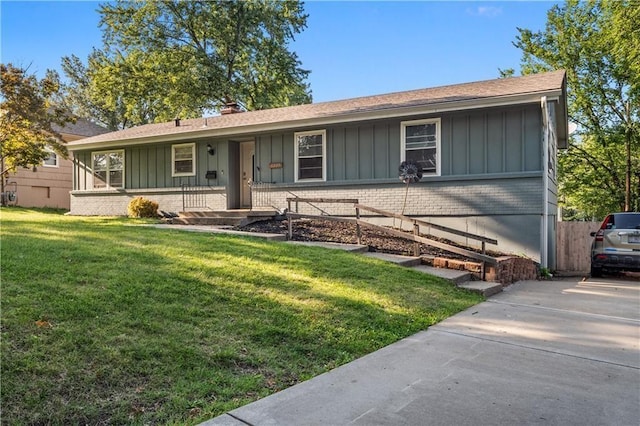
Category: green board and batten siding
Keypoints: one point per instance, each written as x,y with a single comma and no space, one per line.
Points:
502,141
494,142
488,142
149,166
363,152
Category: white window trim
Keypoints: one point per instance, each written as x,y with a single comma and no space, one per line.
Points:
93,154
173,159
324,155
51,151
403,140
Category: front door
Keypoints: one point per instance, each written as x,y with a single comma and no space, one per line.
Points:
247,154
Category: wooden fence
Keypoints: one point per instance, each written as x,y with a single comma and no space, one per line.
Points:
573,249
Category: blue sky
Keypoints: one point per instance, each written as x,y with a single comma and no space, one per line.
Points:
353,48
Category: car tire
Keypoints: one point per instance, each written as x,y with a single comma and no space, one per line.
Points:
596,272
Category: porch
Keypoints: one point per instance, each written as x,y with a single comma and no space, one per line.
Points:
239,217
197,211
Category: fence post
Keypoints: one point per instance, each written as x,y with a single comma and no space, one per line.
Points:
416,245
290,224
184,203
358,232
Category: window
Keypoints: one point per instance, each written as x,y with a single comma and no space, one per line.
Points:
183,159
108,169
51,160
421,143
310,155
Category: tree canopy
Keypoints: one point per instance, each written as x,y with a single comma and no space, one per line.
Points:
170,58
597,42
29,118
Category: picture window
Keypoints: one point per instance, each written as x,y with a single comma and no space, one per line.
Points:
108,169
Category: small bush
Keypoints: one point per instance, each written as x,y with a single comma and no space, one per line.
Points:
141,207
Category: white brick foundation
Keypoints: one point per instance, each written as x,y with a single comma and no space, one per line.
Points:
114,203
508,210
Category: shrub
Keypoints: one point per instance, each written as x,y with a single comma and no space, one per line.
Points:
141,207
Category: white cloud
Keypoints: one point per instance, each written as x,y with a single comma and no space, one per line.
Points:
485,11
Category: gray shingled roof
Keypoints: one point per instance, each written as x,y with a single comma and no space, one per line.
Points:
468,92
82,127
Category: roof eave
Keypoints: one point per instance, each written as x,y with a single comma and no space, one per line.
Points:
349,117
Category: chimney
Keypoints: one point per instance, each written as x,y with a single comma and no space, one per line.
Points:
177,121
230,108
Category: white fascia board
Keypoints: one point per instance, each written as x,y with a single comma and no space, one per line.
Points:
399,112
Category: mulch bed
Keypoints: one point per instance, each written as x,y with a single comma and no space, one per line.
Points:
337,232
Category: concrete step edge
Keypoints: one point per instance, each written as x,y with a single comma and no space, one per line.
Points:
231,221
406,261
353,248
485,288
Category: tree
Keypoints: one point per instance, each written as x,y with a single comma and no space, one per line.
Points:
171,58
28,119
591,179
105,109
598,43
120,91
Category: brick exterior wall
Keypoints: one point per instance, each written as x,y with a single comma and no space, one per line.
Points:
508,270
114,203
514,196
444,198
508,210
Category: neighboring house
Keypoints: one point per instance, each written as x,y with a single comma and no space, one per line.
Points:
488,150
49,184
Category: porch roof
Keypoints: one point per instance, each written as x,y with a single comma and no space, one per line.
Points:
479,94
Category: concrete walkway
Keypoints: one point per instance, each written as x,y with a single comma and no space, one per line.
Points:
541,352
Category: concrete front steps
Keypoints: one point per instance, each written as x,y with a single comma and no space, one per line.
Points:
223,218
462,279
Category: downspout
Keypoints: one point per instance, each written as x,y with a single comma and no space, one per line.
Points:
544,241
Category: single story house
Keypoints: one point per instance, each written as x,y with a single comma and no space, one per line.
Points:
48,184
487,149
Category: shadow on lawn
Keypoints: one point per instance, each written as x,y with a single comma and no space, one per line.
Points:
154,326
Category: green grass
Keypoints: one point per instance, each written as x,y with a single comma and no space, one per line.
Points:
104,322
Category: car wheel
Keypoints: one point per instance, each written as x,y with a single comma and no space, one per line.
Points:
596,272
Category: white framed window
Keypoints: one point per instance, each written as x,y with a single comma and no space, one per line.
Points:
311,155
108,169
183,159
52,159
420,142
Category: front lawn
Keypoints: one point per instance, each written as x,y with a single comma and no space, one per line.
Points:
106,322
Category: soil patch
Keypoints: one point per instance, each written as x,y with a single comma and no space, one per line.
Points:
338,232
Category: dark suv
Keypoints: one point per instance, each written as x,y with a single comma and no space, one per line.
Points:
616,246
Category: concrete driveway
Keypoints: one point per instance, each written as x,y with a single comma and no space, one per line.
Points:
542,352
